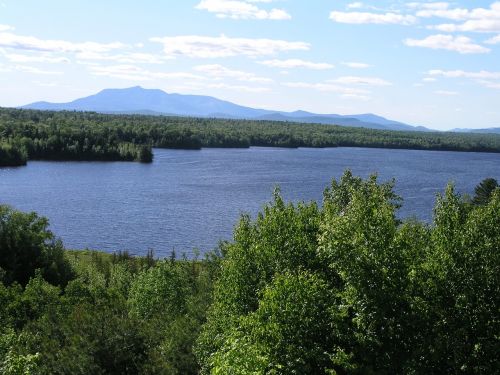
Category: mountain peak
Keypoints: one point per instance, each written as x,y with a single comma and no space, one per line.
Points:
137,99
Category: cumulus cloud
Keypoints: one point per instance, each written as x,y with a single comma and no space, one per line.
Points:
236,87
206,79
297,63
366,81
122,58
55,51
196,46
460,44
355,5
489,84
483,74
372,18
218,71
433,6
486,20
135,73
483,77
5,27
36,58
356,65
494,40
30,43
237,9
452,14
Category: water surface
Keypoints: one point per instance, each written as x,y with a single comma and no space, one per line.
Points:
192,199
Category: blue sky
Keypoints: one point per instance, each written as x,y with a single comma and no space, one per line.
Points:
426,63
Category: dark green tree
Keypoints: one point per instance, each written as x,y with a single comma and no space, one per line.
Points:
26,244
484,190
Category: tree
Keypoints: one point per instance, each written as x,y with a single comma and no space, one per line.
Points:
26,244
484,190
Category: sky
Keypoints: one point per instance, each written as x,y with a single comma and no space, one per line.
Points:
435,64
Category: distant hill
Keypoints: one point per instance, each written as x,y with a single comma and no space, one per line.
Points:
480,131
157,102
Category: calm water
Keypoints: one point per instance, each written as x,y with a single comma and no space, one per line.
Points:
191,199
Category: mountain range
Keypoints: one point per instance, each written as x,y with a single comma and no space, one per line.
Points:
137,100
480,131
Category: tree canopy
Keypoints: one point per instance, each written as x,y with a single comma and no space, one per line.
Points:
48,135
339,288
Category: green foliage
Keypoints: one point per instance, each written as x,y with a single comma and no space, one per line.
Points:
368,294
484,190
282,239
12,155
51,135
26,245
285,335
12,363
342,288
160,290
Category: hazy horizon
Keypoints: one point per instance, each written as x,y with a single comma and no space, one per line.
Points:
423,63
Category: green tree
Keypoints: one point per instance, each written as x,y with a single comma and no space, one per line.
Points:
26,244
484,190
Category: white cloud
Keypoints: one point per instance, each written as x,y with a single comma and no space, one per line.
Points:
327,87
9,40
452,14
429,79
38,58
237,9
34,70
222,46
372,18
218,71
460,44
483,77
355,5
355,96
483,74
54,51
356,65
366,81
296,63
485,26
135,73
435,6
489,84
494,40
236,87
124,58
446,93
5,27
485,20
45,84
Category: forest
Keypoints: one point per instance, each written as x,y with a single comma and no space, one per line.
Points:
45,135
344,287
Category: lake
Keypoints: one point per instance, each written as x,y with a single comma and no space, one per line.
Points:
192,199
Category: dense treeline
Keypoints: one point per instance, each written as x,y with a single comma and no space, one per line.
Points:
93,136
93,313
342,288
12,155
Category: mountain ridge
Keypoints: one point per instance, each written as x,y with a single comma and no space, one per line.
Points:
137,100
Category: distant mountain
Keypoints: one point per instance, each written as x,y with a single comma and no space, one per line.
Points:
137,100
481,131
